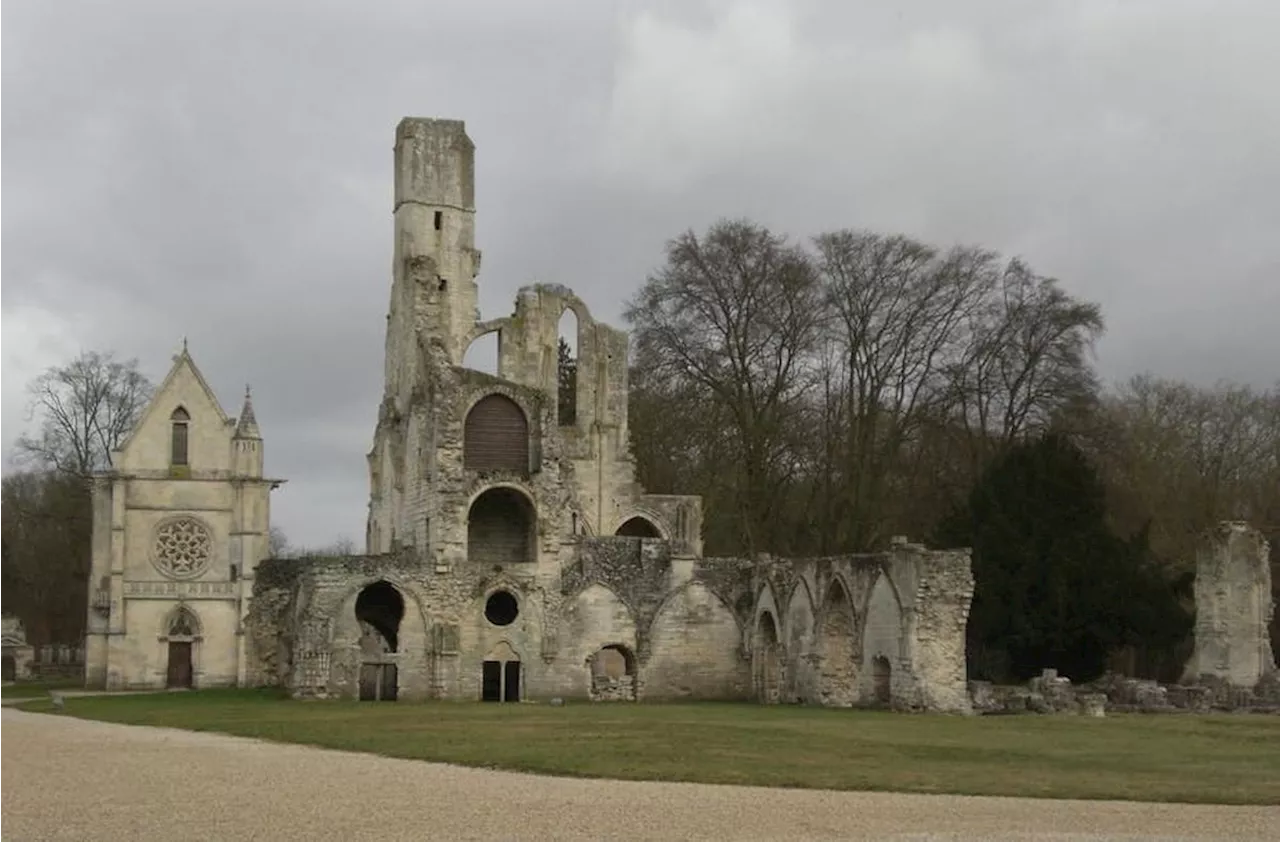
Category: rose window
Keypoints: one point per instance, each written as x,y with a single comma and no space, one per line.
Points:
183,547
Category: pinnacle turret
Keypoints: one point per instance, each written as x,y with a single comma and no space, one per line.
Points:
247,424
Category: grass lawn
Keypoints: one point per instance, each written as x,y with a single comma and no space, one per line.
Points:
1209,759
36,689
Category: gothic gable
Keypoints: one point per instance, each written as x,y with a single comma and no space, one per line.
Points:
183,429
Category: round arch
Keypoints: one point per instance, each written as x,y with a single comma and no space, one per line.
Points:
502,527
496,435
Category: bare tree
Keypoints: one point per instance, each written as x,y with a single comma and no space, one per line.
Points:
86,409
899,312
1183,457
277,543
1027,361
736,313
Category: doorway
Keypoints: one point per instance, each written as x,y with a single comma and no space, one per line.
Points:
500,675
378,682
179,673
881,681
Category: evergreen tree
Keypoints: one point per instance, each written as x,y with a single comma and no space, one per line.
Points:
1053,586
567,377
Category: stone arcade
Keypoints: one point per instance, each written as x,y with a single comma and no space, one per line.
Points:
511,553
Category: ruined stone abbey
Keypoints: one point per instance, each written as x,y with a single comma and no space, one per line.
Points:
511,554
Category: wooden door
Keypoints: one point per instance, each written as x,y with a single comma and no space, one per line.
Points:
511,681
368,682
388,684
179,664
491,682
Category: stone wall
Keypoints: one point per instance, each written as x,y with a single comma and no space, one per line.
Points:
611,598
1234,607
884,630
887,630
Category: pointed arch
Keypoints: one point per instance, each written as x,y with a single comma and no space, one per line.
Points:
715,667
883,641
639,526
179,437
567,358
799,624
767,659
182,623
836,637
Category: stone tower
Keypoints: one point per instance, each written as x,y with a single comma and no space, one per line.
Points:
432,310
460,454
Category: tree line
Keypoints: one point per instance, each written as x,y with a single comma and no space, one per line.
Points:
823,396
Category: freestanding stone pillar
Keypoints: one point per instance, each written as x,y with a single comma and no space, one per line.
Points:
1233,607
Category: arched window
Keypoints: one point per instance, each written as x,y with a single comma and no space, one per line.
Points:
180,421
496,436
567,369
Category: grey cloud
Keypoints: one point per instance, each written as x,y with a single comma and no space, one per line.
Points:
222,171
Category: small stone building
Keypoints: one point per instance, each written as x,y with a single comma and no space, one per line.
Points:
511,553
17,652
179,524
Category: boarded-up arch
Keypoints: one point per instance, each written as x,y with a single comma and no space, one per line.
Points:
695,649
496,436
882,641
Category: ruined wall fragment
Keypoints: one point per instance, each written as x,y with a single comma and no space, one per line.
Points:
1234,607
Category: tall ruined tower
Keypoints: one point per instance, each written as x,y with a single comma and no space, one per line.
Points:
431,315
433,297
477,472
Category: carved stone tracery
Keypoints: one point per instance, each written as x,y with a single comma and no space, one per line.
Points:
183,548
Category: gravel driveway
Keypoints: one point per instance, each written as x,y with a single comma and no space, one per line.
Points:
73,779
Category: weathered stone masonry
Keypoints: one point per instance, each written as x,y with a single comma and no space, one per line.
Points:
513,555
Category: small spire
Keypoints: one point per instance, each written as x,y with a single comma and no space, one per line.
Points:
247,424
184,344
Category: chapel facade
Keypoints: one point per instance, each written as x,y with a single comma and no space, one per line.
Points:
180,522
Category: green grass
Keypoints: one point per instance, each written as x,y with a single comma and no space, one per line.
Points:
1207,759
36,689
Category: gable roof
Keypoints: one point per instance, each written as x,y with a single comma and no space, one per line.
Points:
180,360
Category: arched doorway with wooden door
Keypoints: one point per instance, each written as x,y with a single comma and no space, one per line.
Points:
379,610
182,632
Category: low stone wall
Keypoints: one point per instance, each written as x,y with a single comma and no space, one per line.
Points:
1050,693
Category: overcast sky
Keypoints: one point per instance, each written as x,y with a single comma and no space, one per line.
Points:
222,170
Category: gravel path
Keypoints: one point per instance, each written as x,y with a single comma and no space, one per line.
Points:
73,779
